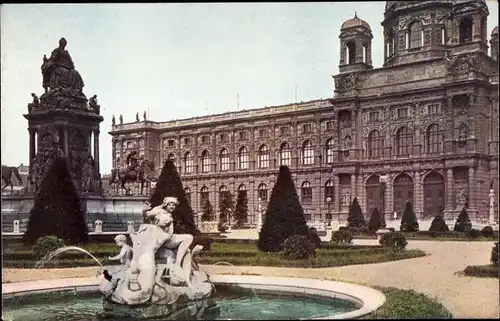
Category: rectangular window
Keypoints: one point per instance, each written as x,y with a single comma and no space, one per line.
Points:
433,109
402,113
224,138
307,128
284,130
205,139
263,133
187,141
329,125
373,116
171,142
242,134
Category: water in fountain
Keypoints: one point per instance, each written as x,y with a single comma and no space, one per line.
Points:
229,264
63,249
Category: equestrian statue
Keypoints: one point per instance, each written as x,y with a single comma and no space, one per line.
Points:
6,175
136,171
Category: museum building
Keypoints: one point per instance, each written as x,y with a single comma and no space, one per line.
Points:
426,122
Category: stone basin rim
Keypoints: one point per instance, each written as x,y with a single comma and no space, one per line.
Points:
369,298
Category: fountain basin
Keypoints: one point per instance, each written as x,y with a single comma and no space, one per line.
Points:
357,300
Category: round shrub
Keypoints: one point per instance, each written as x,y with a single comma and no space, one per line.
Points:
45,245
473,233
494,254
314,237
394,240
438,225
298,247
342,237
487,231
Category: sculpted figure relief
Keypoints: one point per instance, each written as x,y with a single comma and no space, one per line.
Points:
147,280
88,173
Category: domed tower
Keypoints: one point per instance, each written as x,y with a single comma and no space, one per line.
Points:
494,44
355,45
425,30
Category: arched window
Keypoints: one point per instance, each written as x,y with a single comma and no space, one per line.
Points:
187,190
330,145
375,144
263,157
434,140
404,141
188,163
351,53
204,195
306,193
307,153
171,157
465,30
262,192
223,192
285,154
224,160
329,192
205,161
242,187
415,35
243,158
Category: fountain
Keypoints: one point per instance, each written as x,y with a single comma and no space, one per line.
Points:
161,276
158,279
63,249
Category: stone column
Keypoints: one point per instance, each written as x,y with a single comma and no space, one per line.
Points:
342,53
337,193
389,199
448,133
472,187
417,196
66,141
476,27
96,153
359,51
353,186
369,54
32,134
449,189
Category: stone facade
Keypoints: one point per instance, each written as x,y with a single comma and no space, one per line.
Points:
428,119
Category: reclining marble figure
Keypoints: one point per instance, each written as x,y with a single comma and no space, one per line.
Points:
148,280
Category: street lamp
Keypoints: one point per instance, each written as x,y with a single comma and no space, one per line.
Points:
383,179
329,215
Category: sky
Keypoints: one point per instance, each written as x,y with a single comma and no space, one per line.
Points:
177,61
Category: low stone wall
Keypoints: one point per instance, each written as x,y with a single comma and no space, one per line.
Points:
114,212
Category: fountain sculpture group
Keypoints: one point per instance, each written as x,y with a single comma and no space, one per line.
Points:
158,270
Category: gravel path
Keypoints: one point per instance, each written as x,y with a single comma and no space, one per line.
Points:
465,297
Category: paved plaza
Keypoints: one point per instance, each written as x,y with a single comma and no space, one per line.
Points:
432,275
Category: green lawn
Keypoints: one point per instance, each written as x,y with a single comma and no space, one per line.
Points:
408,304
236,254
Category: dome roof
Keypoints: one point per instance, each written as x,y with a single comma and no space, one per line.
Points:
495,31
355,22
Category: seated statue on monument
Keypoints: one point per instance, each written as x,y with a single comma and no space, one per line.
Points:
149,280
62,83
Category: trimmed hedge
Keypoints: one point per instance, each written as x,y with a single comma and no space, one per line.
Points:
482,271
393,240
342,237
298,247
